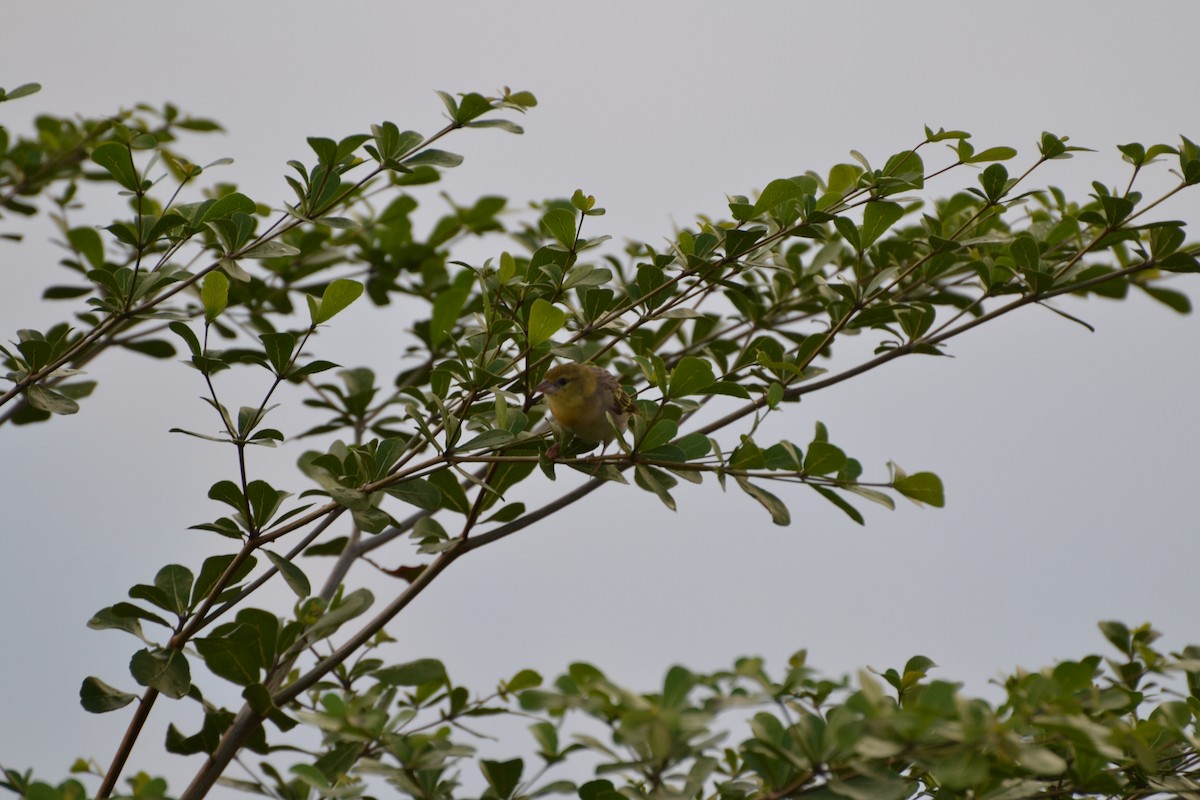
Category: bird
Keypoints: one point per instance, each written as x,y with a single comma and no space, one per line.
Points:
586,401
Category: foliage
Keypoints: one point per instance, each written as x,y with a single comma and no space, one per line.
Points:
732,323
1109,727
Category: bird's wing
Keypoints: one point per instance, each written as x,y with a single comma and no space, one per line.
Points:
620,402
623,402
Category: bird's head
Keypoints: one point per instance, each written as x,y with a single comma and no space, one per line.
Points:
568,381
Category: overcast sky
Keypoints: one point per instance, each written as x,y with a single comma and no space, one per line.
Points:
1068,456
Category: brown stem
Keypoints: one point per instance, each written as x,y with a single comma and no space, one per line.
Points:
247,720
127,741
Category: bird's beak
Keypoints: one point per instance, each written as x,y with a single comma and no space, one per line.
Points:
545,387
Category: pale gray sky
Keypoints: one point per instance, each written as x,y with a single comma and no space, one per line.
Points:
1068,457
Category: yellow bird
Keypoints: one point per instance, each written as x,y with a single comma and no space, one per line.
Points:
582,399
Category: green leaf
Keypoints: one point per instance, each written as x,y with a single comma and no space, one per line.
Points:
691,375
264,498
728,388
447,307
333,547
694,445
1166,239
774,394
1176,301
598,790
391,143
1117,633
823,458
1025,253
271,249
413,673
112,618
336,762
507,513
50,400
849,232
116,159
88,242
175,582
775,194
353,499
861,787
434,158
902,172
545,320
1041,761
259,699
228,492
508,267
61,292
471,106
561,225
155,348
430,535
1134,152
211,571
656,481
352,605
453,497
523,99
224,526
992,154
525,679
339,294
1180,262
418,492
164,669
312,777
842,178
97,697
372,519
747,455
585,275
943,134
311,368
783,456
922,487
874,495
240,650
487,440
502,776
235,271
779,512
214,294
739,242
878,216
678,683
163,225
279,347
840,502
293,576
663,431
23,90
994,181
226,206
583,202
326,149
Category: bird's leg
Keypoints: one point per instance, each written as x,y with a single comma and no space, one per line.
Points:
598,456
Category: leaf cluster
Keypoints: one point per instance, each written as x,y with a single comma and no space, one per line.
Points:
1117,726
717,335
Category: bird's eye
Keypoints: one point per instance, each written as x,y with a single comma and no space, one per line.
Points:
563,381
